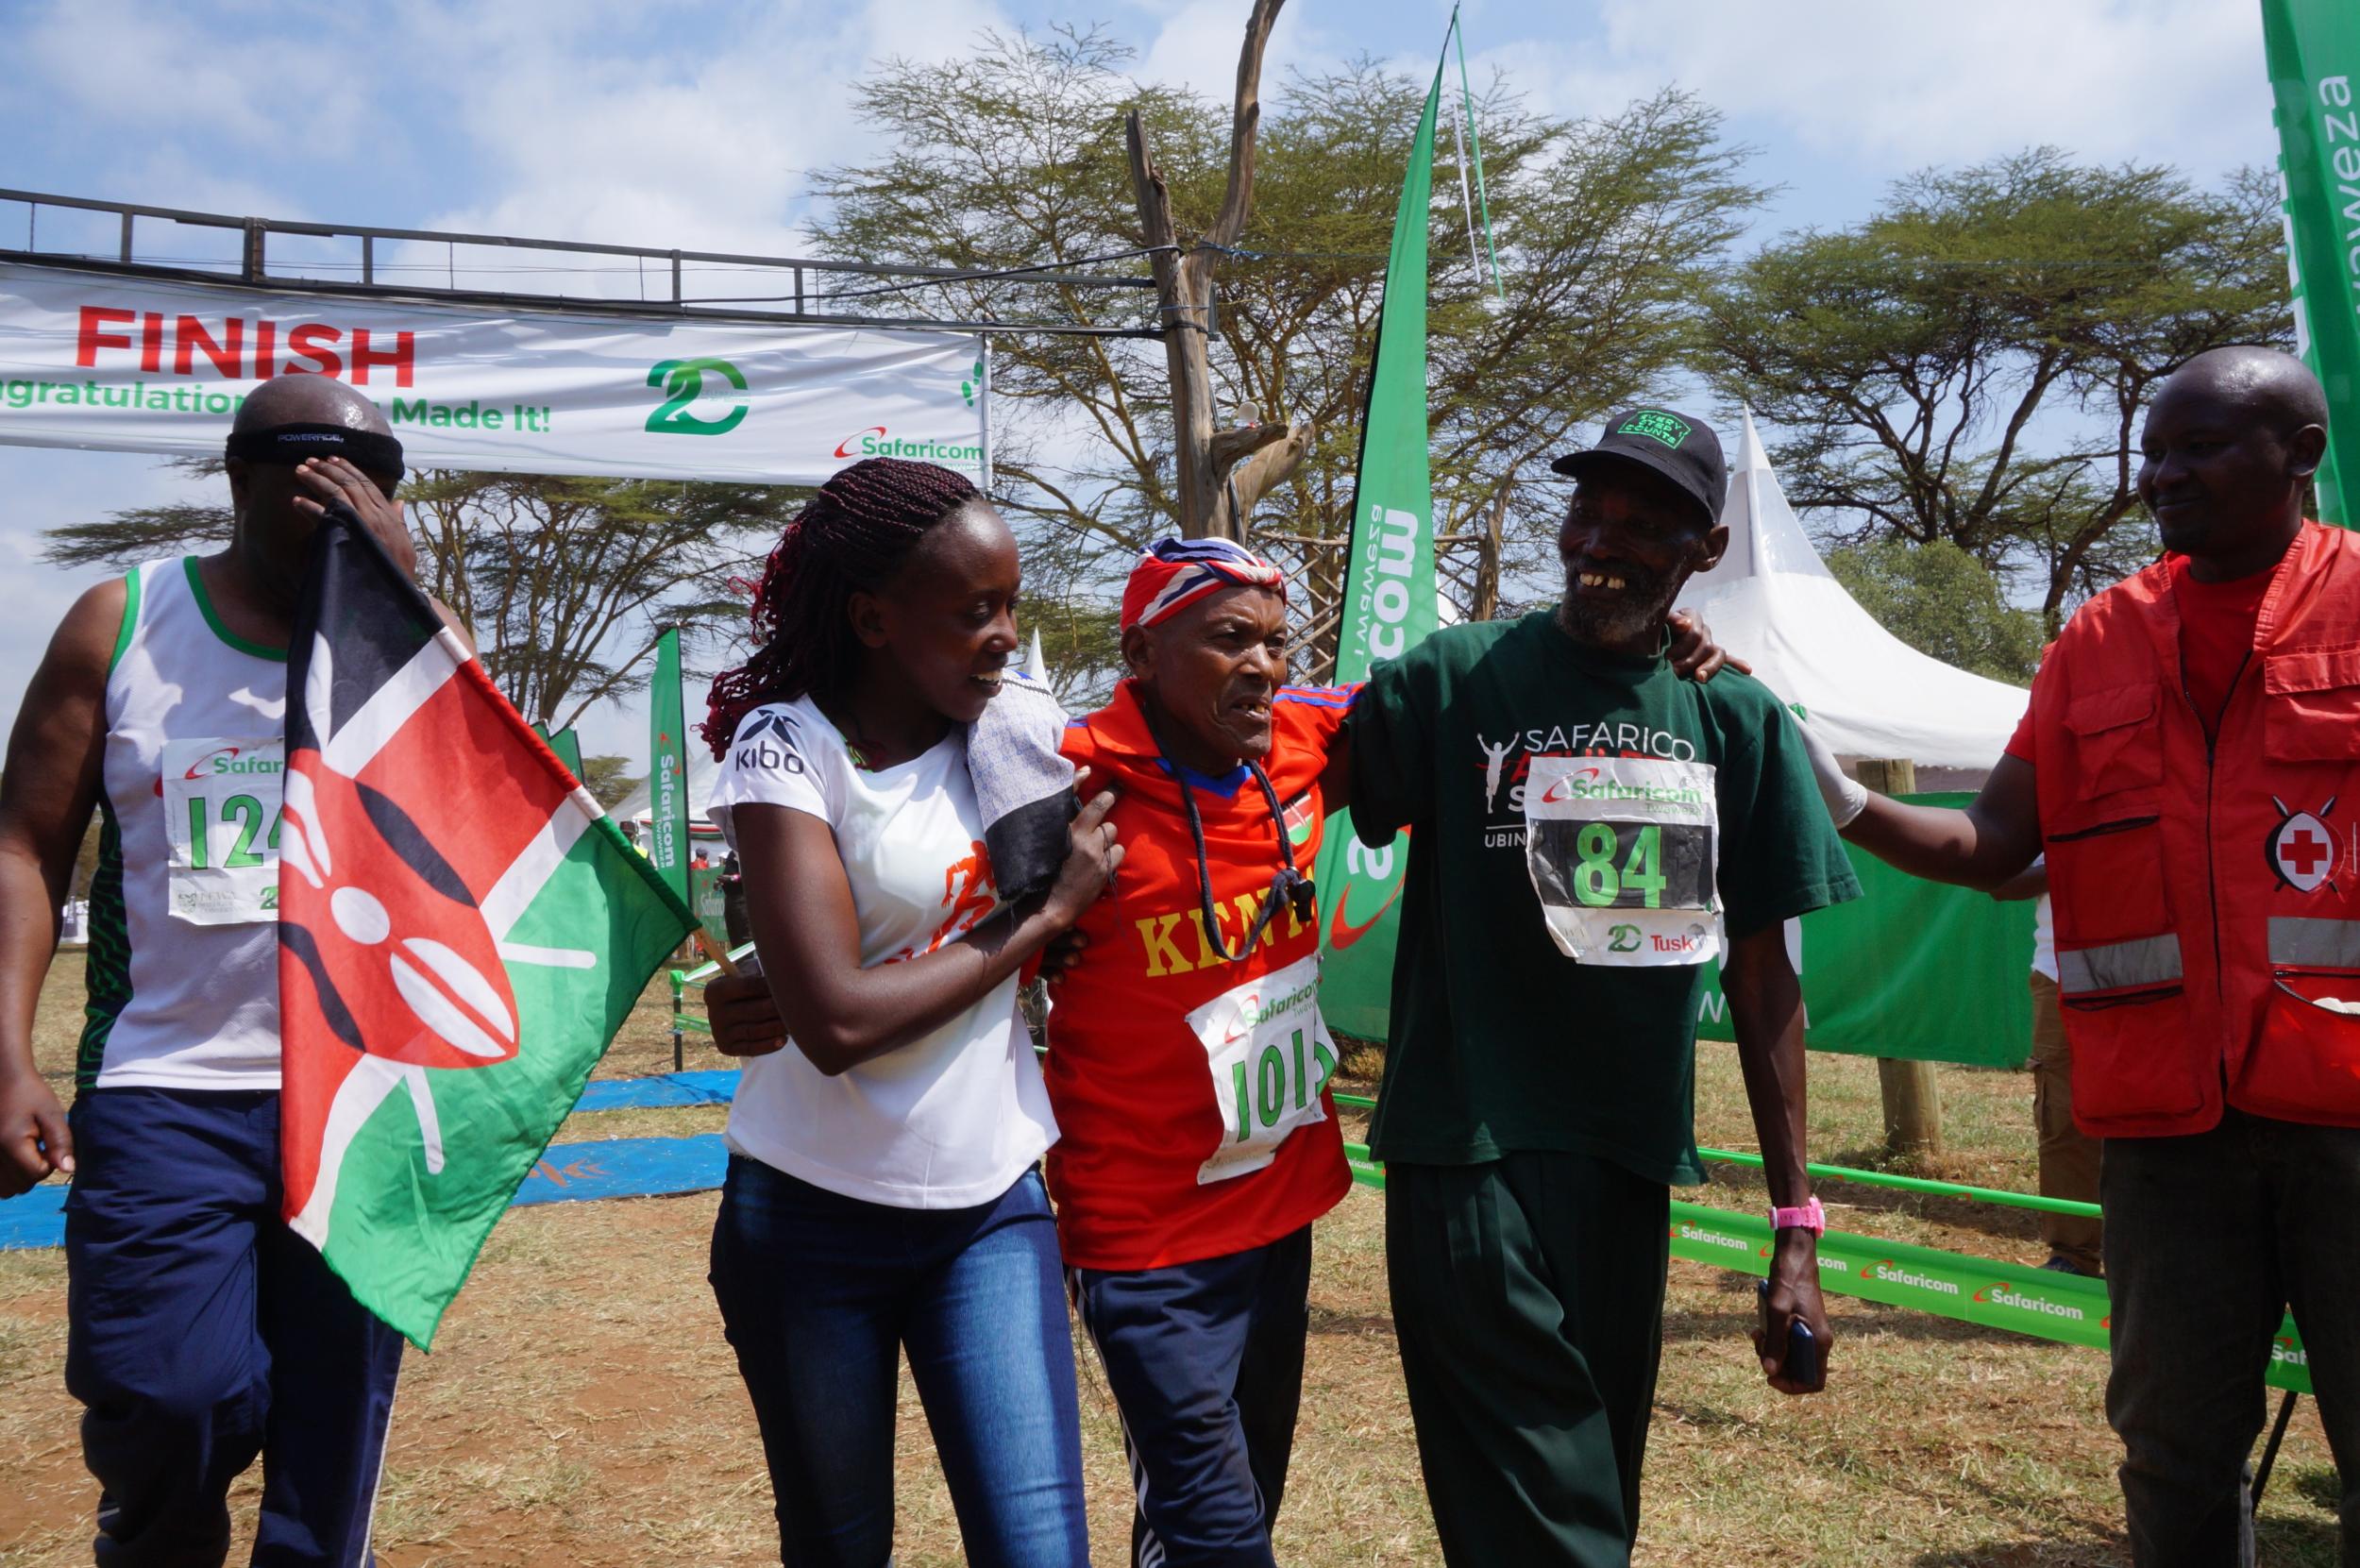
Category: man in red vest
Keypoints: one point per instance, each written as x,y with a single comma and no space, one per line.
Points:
2191,764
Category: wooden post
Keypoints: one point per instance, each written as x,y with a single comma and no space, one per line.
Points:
1912,1100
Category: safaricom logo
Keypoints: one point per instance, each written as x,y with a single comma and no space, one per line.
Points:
1577,786
1257,1016
875,442
1687,1232
1999,1296
230,760
1890,1274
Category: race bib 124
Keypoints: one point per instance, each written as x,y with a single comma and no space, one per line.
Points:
221,819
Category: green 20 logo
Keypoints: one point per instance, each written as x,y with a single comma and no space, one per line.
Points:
681,381
1623,939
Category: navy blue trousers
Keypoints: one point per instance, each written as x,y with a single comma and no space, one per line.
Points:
202,1332
1206,1362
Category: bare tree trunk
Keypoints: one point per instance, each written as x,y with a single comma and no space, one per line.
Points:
1487,584
1223,473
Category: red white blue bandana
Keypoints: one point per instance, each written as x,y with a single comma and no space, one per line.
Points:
1175,573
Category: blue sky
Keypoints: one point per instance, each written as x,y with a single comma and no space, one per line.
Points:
694,124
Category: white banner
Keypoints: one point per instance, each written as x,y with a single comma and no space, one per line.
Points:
131,364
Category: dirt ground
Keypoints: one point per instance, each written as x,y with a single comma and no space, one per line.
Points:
581,1408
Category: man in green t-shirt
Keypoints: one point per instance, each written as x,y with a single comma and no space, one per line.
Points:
1589,830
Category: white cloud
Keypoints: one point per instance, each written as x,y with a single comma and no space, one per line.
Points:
1897,85
152,65
1197,42
692,147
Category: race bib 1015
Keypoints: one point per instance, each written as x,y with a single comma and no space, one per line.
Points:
1271,1056
1624,855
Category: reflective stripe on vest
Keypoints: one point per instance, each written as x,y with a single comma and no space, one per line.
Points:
2307,943
2120,966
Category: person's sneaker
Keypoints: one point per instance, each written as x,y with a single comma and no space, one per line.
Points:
2060,1264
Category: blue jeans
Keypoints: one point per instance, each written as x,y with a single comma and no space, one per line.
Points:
819,1296
201,1331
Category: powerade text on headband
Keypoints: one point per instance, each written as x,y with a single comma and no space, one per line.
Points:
378,456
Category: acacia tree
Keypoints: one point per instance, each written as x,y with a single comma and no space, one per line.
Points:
1015,157
1969,363
1941,601
564,583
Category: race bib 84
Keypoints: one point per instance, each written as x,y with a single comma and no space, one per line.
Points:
1624,855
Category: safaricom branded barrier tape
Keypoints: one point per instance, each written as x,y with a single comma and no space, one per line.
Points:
133,365
2046,1306
2042,1305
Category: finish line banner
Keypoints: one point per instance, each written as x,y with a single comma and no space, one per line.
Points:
139,365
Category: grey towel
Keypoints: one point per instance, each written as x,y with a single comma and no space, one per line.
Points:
1023,786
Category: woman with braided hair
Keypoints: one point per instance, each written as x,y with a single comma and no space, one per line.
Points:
882,1192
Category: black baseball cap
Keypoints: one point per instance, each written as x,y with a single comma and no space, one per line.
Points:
1680,446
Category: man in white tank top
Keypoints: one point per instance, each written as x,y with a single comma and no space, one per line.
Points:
202,1332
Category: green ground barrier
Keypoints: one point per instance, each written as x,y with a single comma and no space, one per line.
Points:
2038,1303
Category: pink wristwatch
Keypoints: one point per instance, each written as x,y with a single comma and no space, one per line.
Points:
1811,1217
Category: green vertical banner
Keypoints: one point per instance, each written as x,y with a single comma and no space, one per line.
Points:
567,744
1911,969
2314,51
1388,601
667,766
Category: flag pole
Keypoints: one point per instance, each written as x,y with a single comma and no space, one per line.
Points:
1466,104
2313,49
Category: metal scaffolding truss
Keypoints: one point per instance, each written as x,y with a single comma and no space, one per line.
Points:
632,281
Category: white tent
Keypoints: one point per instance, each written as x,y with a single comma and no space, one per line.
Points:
1773,602
702,767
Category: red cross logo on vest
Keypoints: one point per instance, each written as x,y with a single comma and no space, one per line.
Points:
2303,848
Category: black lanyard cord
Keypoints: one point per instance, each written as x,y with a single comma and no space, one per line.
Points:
1289,887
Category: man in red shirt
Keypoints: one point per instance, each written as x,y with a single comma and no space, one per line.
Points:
1187,1064
2191,763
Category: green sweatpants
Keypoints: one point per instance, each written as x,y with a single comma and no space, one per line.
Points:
1529,1298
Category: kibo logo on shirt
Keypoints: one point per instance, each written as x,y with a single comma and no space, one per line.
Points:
754,750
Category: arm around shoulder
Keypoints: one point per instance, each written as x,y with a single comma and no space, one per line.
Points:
1386,746
1983,846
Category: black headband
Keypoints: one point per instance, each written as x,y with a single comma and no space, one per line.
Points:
378,456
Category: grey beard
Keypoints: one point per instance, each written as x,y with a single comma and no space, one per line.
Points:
1592,623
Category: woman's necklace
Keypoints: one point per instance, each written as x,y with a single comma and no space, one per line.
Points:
857,745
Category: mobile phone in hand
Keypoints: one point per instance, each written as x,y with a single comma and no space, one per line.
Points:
1802,1346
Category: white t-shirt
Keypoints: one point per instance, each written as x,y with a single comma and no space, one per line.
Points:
2044,933
2044,939
954,1118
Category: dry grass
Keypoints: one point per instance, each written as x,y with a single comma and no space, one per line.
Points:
583,1409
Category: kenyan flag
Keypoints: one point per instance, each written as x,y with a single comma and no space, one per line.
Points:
1300,819
460,933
